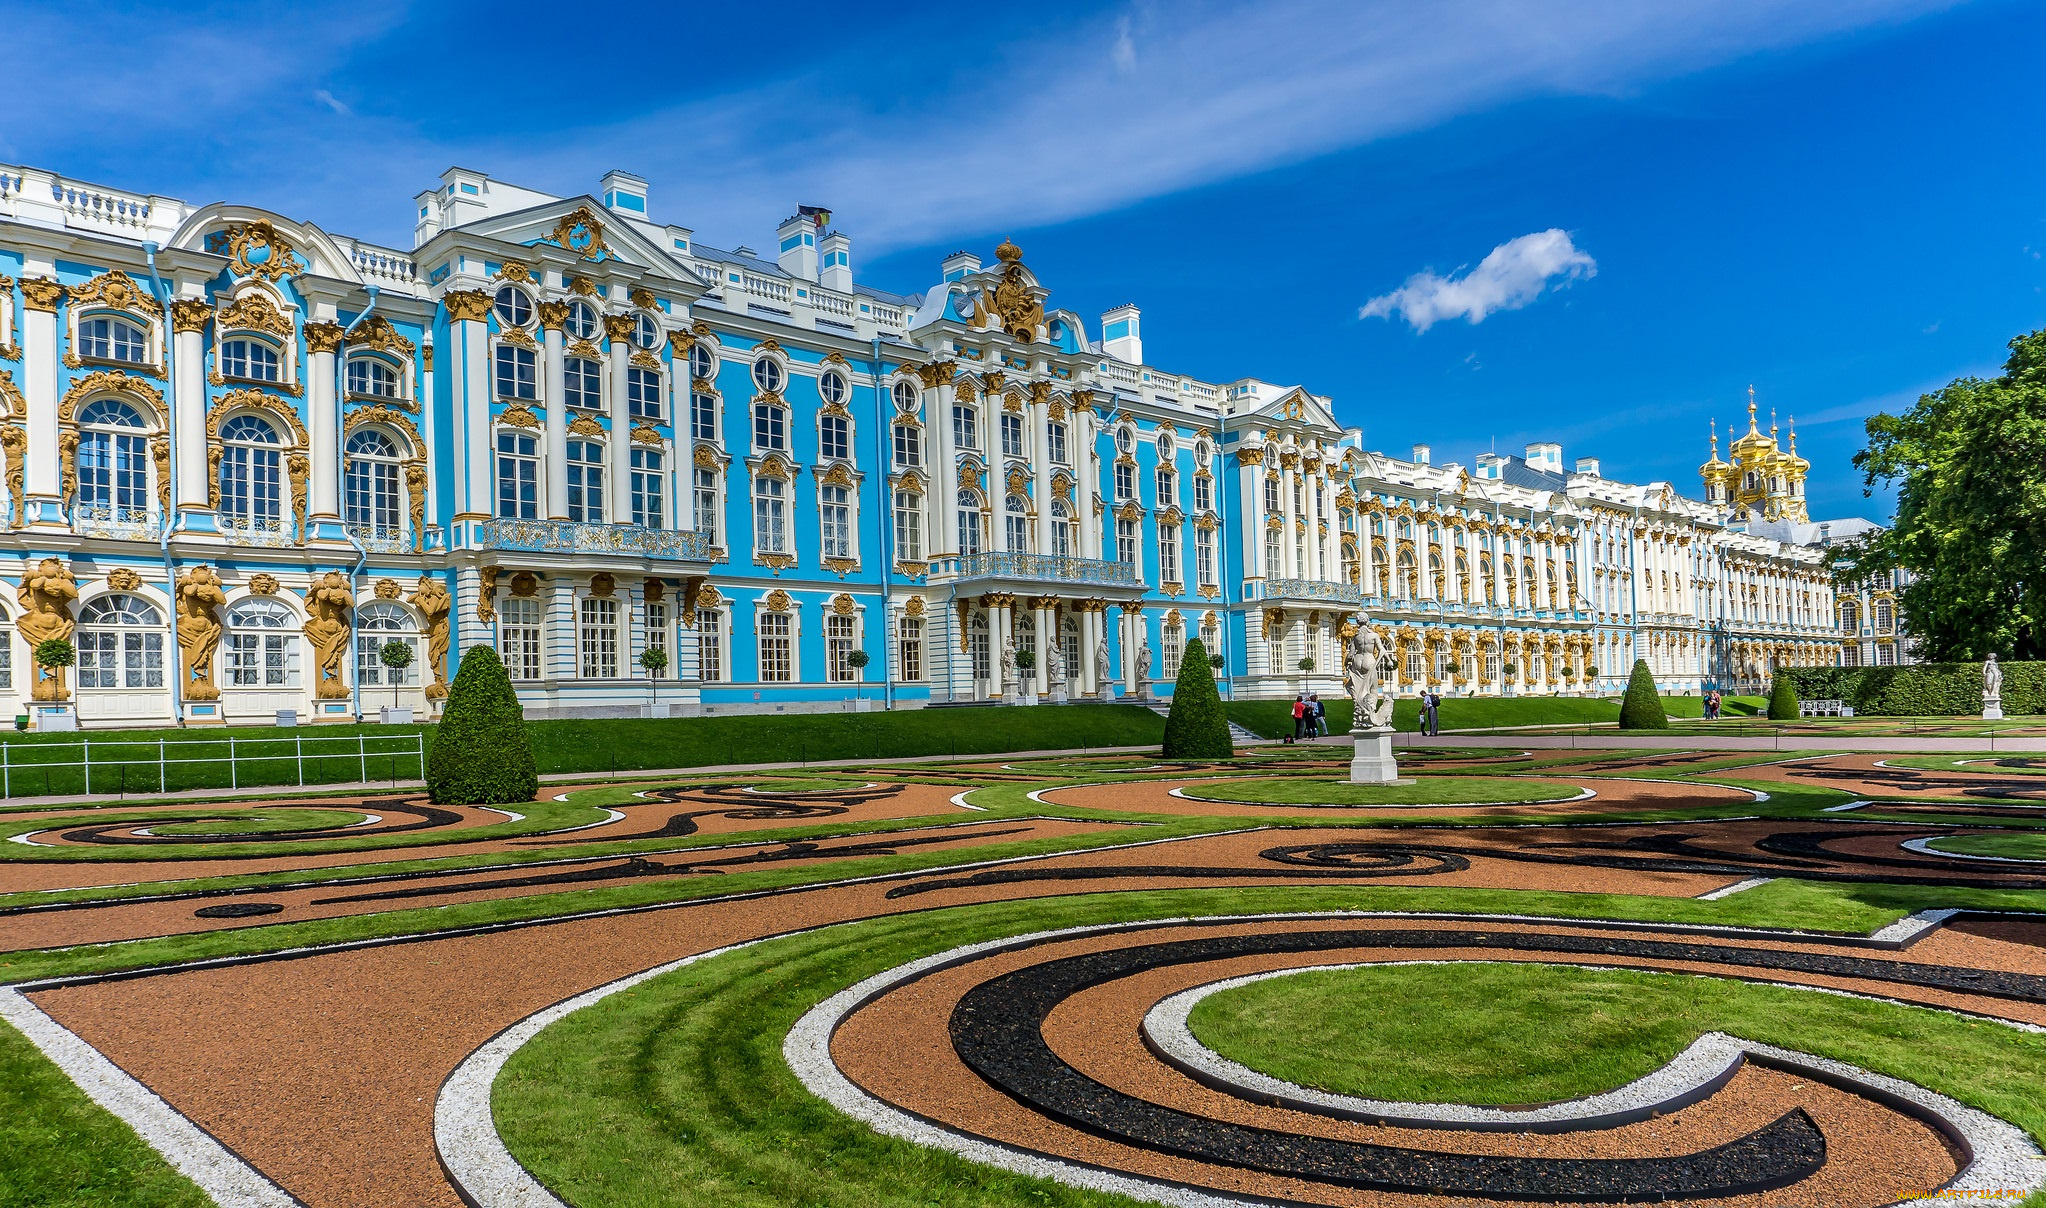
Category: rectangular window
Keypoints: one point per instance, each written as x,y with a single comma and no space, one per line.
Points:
834,438
912,648
834,509
518,476
838,648
710,645
1204,493
582,383
1125,481
1168,553
703,416
777,661
599,638
657,632
1012,436
1167,483
1204,556
515,377
518,637
770,428
585,482
707,504
965,427
649,489
6,661
770,515
909,527
1126,542
643,394
262,660
909,446
369,661
119,659
1413,665
1055,442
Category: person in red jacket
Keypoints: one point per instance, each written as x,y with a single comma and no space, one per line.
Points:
1299,717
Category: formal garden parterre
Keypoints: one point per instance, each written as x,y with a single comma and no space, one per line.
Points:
935,981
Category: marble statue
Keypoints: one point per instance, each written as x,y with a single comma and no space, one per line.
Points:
1101,663
1055,663
1992,689
1009,662
1144,662
1365,661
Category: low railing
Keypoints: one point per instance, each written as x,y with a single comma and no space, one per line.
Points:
568,537
1313,589
382,539
103,520
133,765
1055,567
255,530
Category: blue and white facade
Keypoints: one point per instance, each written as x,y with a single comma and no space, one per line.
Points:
243,456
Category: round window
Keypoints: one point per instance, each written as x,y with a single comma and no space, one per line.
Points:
1201,453
905,397
702,363
832,387
582,320
1124,440
514,308
645,332
767,375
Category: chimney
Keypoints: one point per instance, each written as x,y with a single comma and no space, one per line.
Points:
959,264
1546,455
1588,466
798,237
835,250
1825,534
462,194
624,192
1421,453
1122,335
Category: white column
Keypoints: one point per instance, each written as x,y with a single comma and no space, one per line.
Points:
1132,637
1047,637
1040,460
560,634
1001,628
1289,482
323,341
469,311
1086,428
39,362
188,400
554,464
617,499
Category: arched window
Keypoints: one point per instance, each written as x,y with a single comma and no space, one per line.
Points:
703,363
1850,617
909,526
586,481
582,383
1352,566
249,360
1409,579
1065,534
969,524
370,485
373,377
1211,631
120,643
251,478
581,322
112,462
513,307
1885,614
105,338
768,376
977,647
1016,523
770,425
834,438
643,394
770,515
834,511
262,644
910,645
377,623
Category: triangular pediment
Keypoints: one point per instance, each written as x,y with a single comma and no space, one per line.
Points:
1296,409
583,228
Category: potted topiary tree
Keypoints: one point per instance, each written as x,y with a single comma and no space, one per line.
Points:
480,754
55,653
1026,689
1510,671
655,660
396,656
1641,708
1782,698
1569,677
1195,728
858,660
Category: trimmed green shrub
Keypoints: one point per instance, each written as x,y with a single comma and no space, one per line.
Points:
1782,698
1641,708
480,754
1926,690
1196,728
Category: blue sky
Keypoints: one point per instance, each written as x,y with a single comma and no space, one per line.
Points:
1644,207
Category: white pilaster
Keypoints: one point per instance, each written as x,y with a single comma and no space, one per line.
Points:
554,465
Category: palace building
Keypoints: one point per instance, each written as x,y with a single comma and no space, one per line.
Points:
243,456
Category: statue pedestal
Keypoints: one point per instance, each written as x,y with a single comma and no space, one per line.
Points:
1058,693
1992,709
1144,692
1373,762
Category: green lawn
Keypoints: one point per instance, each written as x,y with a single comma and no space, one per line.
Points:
59,1149
1426,790
2015,845
675,1092
260,822
1274,718
127,760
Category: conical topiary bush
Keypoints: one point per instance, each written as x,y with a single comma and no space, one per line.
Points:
481,755
1641,708
1782,699
1196,728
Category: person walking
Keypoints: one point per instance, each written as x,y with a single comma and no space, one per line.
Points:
1299,717
1431,722
1317,716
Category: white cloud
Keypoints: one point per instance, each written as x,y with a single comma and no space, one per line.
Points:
1514,274
1124,53
330,101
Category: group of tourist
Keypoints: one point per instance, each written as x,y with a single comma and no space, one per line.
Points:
1712,702
1310,716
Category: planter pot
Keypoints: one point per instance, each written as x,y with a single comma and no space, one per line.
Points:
395,715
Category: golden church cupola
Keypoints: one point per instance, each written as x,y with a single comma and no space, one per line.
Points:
1762,478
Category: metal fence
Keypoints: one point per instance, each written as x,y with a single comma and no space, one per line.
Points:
128,765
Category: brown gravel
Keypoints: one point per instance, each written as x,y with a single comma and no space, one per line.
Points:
1614,796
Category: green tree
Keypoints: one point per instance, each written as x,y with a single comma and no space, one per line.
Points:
396,656
1782,698
1641,708
481,755
1195,728
1969,465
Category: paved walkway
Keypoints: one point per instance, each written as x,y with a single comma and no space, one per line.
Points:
1899,744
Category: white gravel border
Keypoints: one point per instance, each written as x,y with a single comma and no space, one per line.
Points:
1727,891
191,1150
1920,846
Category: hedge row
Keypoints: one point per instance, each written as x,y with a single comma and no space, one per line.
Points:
1926,690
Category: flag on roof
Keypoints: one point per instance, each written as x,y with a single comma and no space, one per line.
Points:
816,214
